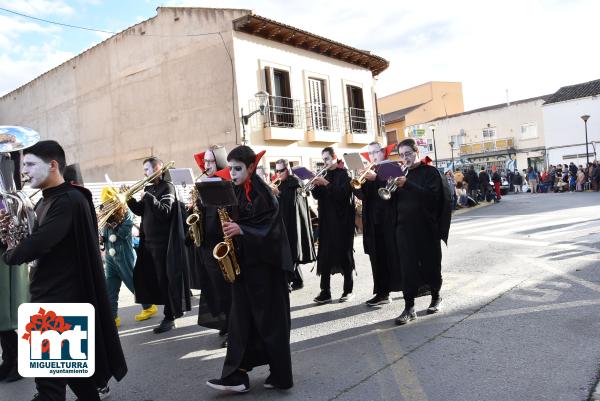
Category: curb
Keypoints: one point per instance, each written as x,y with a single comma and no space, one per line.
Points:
468,209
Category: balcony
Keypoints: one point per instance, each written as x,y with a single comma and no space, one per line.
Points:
358,123
283,119
496,145
322,123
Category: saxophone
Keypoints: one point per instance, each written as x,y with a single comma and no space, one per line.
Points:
224,252
194,221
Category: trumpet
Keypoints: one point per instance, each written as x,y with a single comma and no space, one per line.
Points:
357,183
121,198
275,183
310,185
391,187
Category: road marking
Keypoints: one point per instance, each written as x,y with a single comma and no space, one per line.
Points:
534,309
551,269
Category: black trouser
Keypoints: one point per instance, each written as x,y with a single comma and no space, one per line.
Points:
348,281
157,258
379,264
8,342
54,389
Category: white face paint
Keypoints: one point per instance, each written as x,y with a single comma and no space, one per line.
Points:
407,156
376,154
239,172
328,160
37,170
210,164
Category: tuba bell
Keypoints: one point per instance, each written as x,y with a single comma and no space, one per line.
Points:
18,205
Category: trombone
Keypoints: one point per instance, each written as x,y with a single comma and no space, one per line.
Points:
121,198
310,185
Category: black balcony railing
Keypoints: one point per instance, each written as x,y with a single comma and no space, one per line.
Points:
321,117
358,121
283,112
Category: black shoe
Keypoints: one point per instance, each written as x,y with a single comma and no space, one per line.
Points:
225,343
347,297
407,315
13,375
324,297
36,397
270,384
103,393
296,285
165,325
237,382
434,306
379,300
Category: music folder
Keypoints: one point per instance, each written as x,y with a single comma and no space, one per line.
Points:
302,172
216,193
389,170
353,161
181,176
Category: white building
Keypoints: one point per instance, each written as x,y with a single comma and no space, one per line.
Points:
174,84
565,128
507,135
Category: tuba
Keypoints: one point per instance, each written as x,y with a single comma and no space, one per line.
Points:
17,204
121,198
194,221
224,252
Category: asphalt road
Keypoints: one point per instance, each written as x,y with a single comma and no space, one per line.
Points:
519,322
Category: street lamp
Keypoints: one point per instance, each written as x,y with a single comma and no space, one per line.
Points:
587,154
432,127
263,99
451,143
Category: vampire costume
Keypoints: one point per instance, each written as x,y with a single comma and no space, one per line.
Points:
296,219
259,323
161,270
216,292
379,237
68,268
423,209
336,232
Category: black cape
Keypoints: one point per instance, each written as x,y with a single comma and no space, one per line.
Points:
147,288
423,208
296,218
379,237
259,324
336,223
76,203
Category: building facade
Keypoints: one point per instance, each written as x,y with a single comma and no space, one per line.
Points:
176,83
509,136
565,129
404,111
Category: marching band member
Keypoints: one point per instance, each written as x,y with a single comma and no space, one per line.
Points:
423,210
161,269
296,219
119,257
68,268
379,222
215,290
259,324
336,227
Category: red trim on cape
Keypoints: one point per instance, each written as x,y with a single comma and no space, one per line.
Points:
224,174
199,157
426,160
386,152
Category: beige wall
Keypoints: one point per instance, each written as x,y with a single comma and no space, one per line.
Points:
133,95
437,98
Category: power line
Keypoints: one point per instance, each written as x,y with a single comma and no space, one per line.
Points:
56,23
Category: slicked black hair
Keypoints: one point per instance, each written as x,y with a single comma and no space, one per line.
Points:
47,151
243,154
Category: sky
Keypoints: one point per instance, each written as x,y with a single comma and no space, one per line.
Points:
528,47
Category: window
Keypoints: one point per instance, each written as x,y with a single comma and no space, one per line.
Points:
529,131
489,133
317,104
356,109
391,136
281,105
458,140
